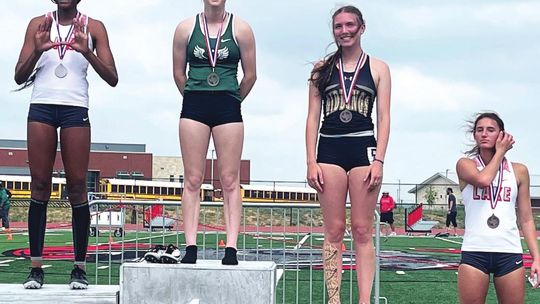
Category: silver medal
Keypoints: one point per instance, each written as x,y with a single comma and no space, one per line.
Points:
60,71
345,116
212,79
493,222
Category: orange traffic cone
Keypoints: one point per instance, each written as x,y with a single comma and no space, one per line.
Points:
10,236
343,247
221,243
111,239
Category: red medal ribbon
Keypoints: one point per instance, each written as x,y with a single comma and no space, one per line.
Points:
212,57
495,191
62,48
348,94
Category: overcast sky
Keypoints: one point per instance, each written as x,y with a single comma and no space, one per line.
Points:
448,59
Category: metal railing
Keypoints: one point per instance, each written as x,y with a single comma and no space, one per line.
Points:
286,233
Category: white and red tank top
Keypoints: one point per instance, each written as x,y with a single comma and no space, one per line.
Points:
72,89
478,235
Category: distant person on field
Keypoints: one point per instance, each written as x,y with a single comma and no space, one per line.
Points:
452,211
5,196
387,212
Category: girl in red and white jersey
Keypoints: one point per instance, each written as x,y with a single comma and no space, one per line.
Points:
492,187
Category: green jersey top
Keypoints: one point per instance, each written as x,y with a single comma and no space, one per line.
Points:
4,199
227,60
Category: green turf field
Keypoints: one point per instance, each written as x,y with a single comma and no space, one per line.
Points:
299,284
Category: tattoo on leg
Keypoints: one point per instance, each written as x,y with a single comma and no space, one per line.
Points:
331,275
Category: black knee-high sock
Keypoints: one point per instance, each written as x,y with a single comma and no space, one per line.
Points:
80,225
37,221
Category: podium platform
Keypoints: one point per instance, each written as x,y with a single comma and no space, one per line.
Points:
58,293
207,282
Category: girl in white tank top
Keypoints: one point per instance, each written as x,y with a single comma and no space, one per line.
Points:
58,47
492,189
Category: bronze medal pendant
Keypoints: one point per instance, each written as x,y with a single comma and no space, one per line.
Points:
212,79
60,71
213,55
345,116
493,222
495,191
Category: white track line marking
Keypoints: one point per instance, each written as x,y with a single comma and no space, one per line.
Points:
302,241
449,241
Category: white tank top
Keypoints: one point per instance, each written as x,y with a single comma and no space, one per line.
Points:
478,236
71,90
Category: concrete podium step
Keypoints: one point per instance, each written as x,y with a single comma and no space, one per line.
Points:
207,282
58,294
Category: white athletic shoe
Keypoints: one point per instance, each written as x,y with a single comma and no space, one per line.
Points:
393,234
171,255
154,254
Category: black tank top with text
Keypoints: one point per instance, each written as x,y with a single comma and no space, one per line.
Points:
360,105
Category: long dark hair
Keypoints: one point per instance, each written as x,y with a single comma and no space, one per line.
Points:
321,74
472,128
29,82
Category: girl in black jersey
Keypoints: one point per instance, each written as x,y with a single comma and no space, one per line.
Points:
349,159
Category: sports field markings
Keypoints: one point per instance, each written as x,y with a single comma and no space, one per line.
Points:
46,266
103,267
344,239
449,241
302,241
135,239
6,261
279,273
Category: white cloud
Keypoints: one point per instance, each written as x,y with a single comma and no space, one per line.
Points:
420,92
448,60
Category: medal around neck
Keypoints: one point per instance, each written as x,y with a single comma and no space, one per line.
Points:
345,116
493,221
60,71
212,79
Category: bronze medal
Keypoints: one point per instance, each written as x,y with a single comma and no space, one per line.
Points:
345,116
495,192
493,221
212,79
